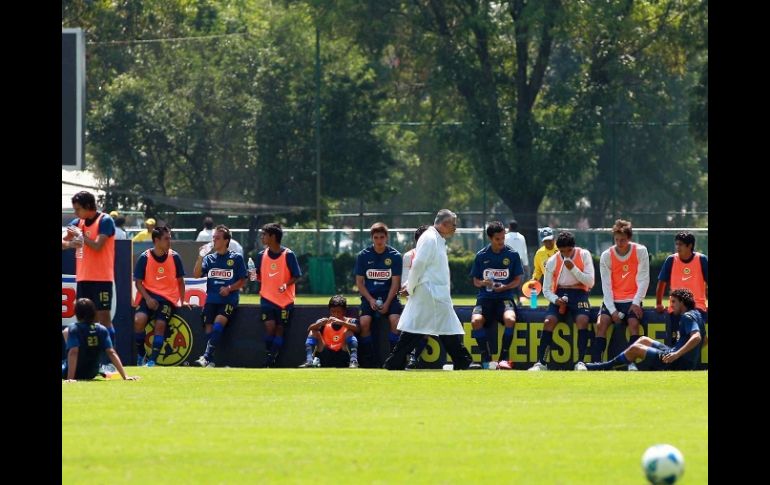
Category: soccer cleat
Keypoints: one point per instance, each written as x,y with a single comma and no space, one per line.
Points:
316,362
149,363
211,364
504,365
632,366
580,366
353,364
202,361
141,360
412,363
538,366
307,364
475,366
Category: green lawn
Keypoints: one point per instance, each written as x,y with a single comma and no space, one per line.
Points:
191,425
464,300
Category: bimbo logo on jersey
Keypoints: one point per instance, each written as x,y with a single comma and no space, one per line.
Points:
496,274
378,274
221,274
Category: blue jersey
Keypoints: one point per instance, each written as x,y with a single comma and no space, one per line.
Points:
690,321
91,340
502,267
378,269
106,225
222,270
665,270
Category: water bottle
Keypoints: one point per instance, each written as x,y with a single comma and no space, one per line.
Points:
533,299
252,270
379,303
563,309
487,277
205,249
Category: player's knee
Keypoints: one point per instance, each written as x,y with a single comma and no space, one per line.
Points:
550,323
581,322
477,321
644,340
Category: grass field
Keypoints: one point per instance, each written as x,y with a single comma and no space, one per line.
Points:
464,300
191,425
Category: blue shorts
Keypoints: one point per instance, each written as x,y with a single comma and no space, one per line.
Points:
281,316
622,308
395,308
212,310
493,310
653,359
164,311
99,292
577,304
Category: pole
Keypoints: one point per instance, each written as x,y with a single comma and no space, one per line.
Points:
318,141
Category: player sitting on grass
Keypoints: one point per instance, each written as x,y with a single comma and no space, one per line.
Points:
337,346
657,356
87,342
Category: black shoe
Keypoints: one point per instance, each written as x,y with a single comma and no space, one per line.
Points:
475,366
412,363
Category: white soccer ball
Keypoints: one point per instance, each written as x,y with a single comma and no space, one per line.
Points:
663,464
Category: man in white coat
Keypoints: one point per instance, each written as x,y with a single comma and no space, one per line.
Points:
429,310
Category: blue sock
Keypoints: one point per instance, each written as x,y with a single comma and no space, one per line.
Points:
392,339
481,338
352,342
619,360
214,338
507,340
545,341
157,343
597,348
111,331
139,343
269,342
277,344
310,344
582,344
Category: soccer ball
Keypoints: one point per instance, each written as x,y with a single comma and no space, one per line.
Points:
663,464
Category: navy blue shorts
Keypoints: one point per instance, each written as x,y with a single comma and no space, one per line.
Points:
577,304
653,359
99,292
395,308
622,308
331,358
493,309
164,311
212,310
281,316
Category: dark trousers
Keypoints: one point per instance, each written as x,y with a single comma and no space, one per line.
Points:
408,341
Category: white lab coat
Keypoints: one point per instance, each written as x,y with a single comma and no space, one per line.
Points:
429,309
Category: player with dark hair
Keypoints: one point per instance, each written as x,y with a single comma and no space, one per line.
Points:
277,270
334,338
159,280
87,343
496,271
684,355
